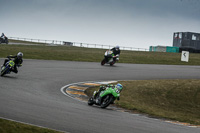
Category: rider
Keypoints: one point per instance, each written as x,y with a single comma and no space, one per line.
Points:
118,86
3,36
17,60
116,51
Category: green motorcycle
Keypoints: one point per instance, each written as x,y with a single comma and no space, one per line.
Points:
105,97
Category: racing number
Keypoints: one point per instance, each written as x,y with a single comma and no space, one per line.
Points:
11,63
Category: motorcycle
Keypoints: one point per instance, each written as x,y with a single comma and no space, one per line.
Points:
7,68
105,97
3,40
109,58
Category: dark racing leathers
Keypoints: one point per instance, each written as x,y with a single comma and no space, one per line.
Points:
102,88
17,61
115,51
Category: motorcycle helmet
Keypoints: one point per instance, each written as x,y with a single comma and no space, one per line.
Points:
20,55
119,87
117,47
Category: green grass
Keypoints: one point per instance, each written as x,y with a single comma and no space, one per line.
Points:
53,52
68,53
171,99
7,126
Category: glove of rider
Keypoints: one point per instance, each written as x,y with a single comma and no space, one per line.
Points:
102,88
19,65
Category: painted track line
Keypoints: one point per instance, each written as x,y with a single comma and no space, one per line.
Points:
76,90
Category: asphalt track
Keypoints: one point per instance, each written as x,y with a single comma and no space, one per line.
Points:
33,96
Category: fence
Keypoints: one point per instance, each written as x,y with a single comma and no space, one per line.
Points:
78,44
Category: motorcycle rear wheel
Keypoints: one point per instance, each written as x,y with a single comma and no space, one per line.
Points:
112,63
90,101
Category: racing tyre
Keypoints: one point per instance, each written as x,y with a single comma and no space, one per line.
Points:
90,101
103,62
3,71
107,100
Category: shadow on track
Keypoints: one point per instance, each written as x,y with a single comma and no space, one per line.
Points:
9,77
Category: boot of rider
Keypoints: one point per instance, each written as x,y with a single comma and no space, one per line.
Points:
99,100
106,58
14,69
114,59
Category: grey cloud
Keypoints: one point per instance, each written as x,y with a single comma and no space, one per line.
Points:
126,22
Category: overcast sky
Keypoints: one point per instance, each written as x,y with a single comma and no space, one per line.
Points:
134,23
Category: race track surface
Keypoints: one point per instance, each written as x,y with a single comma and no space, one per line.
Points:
33,96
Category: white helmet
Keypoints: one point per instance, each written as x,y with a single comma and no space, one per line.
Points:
20,55
117,47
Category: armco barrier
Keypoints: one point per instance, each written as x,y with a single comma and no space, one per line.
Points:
78,44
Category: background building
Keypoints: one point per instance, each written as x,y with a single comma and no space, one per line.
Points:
187,41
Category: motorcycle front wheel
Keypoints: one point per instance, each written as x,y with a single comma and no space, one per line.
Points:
103,62
3,71
106,101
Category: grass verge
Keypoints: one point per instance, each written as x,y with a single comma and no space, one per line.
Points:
171,99
68,53
7,126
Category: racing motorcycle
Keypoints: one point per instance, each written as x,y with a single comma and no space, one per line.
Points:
109,58
4,40
7,68
105,97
